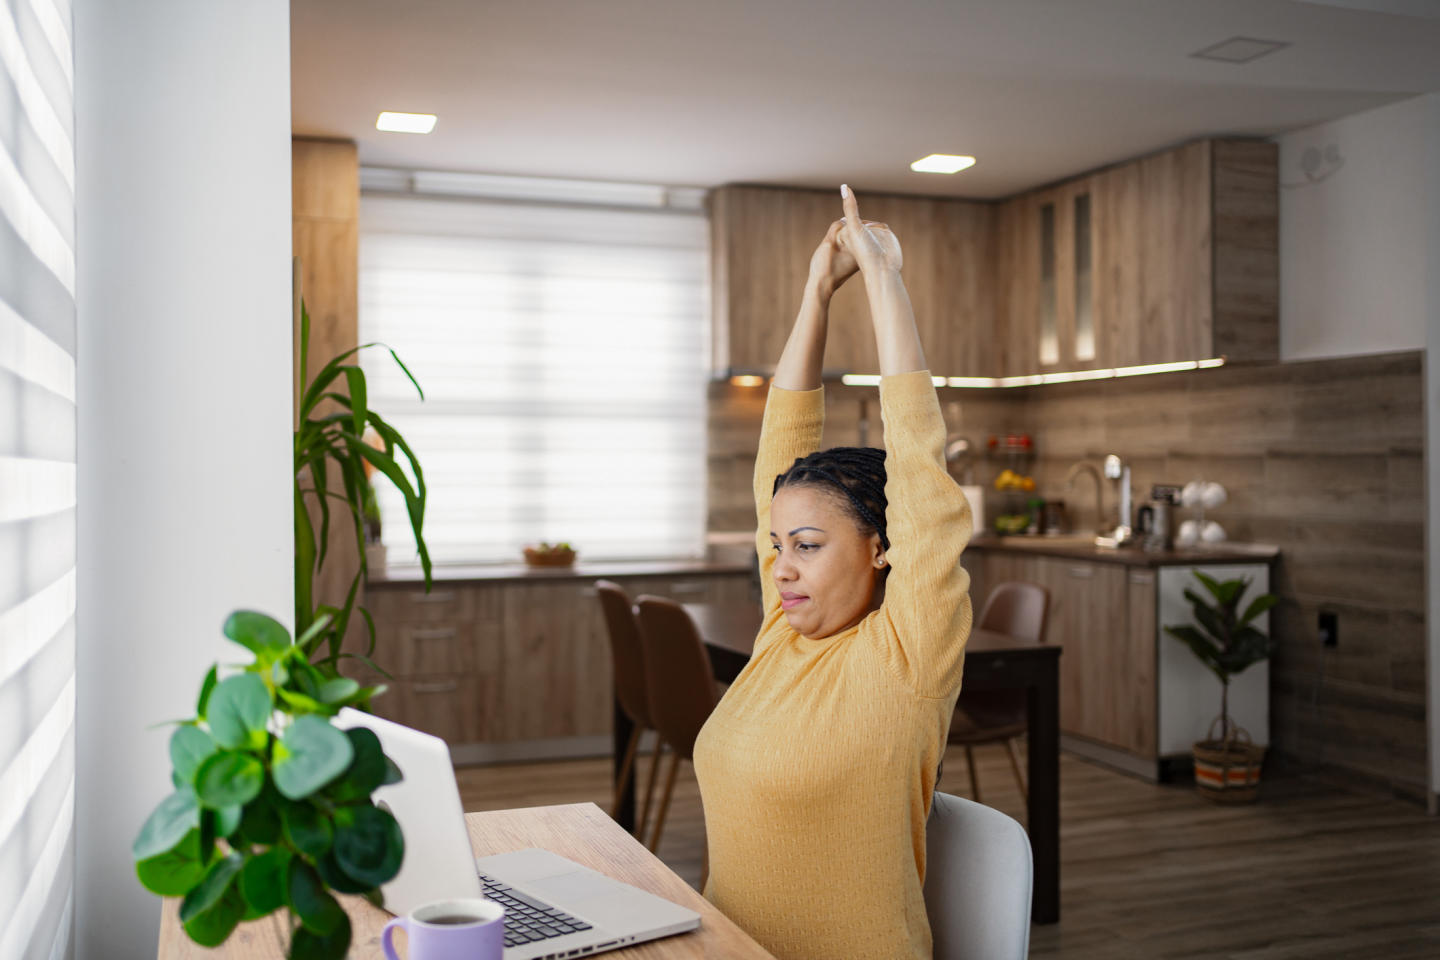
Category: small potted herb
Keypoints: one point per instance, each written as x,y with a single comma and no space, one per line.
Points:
1227,768
272,807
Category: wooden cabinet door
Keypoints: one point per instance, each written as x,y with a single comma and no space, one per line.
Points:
555,663
761,242
1136,726
1176,271
1017,258
1115,208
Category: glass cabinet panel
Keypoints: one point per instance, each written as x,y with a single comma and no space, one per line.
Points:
1049,335
1084,302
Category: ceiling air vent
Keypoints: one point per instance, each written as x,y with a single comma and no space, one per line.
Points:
1240,50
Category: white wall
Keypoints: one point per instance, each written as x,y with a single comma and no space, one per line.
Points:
183,218
1354,246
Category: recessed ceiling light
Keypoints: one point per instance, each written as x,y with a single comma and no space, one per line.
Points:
942,163
1239,50
405,122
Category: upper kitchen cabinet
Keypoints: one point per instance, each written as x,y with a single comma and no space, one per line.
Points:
1170,257
762,239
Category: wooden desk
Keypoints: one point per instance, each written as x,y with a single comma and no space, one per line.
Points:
993,661
580,831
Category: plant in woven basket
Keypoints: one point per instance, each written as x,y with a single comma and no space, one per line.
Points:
1224,639
271,808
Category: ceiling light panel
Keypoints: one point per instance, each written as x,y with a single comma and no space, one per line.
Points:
405,122
942,163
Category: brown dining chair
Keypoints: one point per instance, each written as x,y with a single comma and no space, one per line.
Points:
999,716
680,683
628,658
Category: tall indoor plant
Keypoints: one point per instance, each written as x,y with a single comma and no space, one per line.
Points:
272,804
338,438
1227,642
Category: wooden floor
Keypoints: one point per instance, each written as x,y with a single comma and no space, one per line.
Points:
1315,870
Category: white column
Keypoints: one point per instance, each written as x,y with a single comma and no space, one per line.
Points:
184,342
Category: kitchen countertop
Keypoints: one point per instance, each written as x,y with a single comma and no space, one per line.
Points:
409,576
1071,549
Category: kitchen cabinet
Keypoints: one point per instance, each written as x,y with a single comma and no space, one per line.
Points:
1130,695
761,242
514,668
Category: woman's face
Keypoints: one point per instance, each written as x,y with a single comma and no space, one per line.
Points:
825,568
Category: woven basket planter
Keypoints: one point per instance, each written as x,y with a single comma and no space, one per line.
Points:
1228,771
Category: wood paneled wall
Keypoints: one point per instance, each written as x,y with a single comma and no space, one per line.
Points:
1323,458
325,202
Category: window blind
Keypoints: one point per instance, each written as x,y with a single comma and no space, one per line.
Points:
562,351
37,479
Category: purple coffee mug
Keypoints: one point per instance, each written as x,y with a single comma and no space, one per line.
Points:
450,930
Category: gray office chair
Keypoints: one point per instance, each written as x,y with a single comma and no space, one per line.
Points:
978,879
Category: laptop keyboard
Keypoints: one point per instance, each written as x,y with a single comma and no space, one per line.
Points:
527,919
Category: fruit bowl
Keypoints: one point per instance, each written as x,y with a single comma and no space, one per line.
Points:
549,555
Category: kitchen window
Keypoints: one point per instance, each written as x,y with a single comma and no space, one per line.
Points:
562,350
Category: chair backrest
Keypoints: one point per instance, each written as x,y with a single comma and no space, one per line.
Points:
1017,608
679,680
626,652
978,880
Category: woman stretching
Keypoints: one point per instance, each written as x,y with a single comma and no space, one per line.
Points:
818,766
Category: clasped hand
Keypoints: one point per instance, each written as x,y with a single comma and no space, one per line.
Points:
852,244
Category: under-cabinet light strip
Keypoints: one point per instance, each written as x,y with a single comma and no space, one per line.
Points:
1036,379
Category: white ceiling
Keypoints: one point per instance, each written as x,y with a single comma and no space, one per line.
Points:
804,92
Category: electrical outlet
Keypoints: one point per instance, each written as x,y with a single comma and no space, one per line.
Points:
1329,629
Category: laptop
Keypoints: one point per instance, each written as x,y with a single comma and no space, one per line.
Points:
554,907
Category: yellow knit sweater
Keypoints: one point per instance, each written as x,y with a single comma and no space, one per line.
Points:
817,767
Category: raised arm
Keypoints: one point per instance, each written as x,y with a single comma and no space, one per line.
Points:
795,408
927,594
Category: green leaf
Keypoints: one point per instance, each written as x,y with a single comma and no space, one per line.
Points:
262,880
229,779
211,928
208,893
314,630
256,632
316,908
1210,582
239,711
368,844
260,821
299,703
227,820
1202,646
206,689
355,380
176,816
366,772
337,879
189,746
1258,606
338,690
309,945
310,755
306,827
174,872
392,773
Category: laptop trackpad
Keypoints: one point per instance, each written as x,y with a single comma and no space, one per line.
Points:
615,908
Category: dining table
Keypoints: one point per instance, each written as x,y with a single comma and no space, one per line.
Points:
993,661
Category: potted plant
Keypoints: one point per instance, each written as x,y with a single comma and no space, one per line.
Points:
1227,768
271,808
336,429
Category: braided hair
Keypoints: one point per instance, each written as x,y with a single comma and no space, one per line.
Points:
857,473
